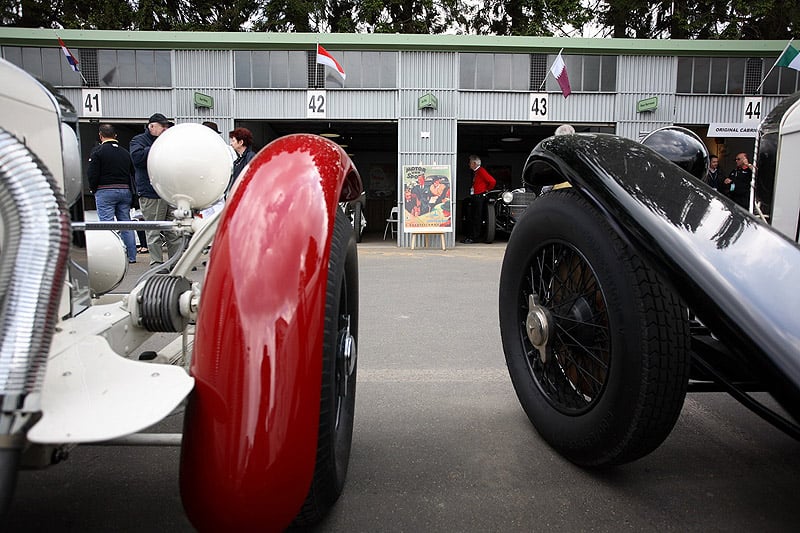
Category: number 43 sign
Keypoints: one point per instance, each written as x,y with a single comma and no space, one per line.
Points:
537,107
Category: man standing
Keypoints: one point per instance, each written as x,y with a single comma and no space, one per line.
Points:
737,184
713,176
153,207
482,182
109,172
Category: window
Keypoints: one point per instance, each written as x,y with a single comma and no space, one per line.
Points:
494,72
733,75
267,69
586,73
783,81
365,70
48,64
134,68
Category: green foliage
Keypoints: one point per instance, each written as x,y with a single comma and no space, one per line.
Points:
640,19
530,17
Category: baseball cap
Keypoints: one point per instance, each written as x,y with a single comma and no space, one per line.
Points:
158,117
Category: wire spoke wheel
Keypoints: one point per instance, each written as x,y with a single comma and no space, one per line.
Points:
576,371
596,344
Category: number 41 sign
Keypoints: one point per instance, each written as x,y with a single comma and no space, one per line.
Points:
92,103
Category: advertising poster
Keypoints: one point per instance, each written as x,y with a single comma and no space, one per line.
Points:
427,206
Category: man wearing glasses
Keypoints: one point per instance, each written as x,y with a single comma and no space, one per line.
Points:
737,184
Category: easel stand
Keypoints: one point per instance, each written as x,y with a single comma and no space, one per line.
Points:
426,241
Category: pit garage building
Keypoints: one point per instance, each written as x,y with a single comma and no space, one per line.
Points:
411,99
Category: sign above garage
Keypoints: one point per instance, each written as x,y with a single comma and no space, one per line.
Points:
732,129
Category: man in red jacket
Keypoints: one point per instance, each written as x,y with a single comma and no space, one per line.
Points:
482,182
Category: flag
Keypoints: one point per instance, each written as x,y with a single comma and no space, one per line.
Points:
559,72
70,58
325,58
790,58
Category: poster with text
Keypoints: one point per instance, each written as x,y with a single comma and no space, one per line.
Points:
427,205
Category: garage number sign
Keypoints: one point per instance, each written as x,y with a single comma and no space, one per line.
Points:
538,106
92,103
752,109
316,104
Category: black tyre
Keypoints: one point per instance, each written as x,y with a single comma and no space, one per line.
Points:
491,223
356,218
596,344
337,404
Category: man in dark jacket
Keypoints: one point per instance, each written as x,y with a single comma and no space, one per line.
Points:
153,206
737,184
714,175
110,170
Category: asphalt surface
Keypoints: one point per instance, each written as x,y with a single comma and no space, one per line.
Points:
441,443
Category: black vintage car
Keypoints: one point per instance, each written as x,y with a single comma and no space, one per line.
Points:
637,284
503,209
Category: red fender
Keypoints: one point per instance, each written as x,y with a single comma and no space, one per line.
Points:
250,430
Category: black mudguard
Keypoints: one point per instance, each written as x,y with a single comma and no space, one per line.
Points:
739,276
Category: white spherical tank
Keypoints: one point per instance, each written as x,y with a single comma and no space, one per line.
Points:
189,166
108,262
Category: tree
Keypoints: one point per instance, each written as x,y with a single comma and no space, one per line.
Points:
704,19
762,19
406,16
530,17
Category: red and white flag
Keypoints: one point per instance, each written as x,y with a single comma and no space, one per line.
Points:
73,62
559,71
325,58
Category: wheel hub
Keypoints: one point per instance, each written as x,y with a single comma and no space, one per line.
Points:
347,355
538,325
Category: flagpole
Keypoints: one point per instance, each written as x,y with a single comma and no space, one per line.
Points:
548,73
775,63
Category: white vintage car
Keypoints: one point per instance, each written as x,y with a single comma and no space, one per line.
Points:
269,385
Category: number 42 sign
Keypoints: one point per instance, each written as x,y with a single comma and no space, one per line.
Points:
316,104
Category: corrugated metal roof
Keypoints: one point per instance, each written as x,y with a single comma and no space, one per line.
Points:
373,41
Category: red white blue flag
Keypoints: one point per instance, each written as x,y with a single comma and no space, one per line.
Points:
73,62
325,58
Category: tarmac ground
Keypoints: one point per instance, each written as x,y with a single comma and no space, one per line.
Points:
441,443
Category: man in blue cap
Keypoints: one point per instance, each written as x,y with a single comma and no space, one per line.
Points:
153,206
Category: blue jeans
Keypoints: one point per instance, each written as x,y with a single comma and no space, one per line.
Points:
116,203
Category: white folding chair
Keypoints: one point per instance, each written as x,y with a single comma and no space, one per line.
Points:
391,222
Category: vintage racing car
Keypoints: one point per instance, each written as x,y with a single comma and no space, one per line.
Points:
639,283
502,209
269,386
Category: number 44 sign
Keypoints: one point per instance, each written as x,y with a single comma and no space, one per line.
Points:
92,103
537,107
752,109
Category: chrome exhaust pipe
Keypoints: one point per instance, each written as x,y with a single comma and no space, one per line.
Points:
34,248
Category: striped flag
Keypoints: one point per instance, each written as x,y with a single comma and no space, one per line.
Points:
790,58
325,58
559,72
73,62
